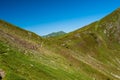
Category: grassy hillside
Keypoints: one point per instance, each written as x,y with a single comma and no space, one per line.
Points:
89,53
22,58
96,44
54,34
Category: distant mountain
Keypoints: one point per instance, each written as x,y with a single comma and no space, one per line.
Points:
55,34
89,53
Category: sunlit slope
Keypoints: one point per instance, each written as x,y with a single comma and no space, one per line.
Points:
24,56
89,53
97,45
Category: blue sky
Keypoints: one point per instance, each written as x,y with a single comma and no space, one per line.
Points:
46,16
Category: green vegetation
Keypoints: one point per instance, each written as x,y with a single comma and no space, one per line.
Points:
89,53
54,34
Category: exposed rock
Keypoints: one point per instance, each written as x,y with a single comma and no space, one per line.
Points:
104,31
77,35
62,44
31,65
2,74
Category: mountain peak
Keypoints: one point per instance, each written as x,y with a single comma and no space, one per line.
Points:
55,34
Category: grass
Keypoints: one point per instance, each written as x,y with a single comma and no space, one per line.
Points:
85,54
18,66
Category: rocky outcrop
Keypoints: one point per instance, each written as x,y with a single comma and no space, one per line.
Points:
2,74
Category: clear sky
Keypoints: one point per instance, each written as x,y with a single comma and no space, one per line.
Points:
46,16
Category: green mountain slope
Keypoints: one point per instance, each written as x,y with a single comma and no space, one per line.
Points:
89,53
96,44
55,34
23,56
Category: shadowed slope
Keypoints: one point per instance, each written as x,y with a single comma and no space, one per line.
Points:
24,56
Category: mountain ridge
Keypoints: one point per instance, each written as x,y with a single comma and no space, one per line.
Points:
55,34
89,53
